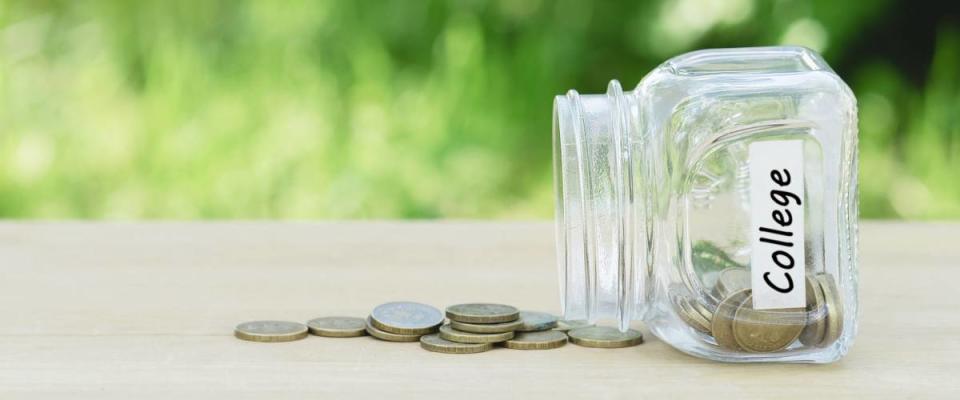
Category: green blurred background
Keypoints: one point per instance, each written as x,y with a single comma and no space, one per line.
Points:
410,109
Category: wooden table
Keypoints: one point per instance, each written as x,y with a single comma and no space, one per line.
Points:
137,311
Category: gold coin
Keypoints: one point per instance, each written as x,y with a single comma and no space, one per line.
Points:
831,297
541,340
606,337
454,335
721,326
692,317
731,280
406,318
812,334
270,331
486,328
565,325
702,309
388,336
533,321
482,313
337,326
435,343
764,331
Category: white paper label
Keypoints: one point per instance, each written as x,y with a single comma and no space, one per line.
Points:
777,263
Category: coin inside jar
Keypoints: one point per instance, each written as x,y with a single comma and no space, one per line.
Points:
703,310
813,333
731,280
692,317
721,327
764,331
834,303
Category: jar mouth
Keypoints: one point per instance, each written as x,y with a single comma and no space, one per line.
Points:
595,219
566,178
559,210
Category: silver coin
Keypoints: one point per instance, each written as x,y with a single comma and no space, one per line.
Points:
406,318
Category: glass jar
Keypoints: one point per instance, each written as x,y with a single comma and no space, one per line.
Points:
717,203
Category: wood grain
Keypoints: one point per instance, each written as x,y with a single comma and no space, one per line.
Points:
94,310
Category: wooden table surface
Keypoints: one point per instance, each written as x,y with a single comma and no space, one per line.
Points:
134,311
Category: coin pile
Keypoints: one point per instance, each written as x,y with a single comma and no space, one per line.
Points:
481,325
472,328
735,325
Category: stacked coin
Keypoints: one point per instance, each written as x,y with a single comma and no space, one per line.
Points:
403,321
536,332
483,324
479,325
734,323
731,280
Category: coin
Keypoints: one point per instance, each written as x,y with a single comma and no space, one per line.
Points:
541,340
831,297
435,343
337,326
482,313
533,321
454,335
764,331
565,325
721,326
486,328
731,280
813,333
389,336
406,318
702,309
604,337
692,317
270,331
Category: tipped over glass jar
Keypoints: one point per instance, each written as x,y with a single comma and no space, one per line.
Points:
717,203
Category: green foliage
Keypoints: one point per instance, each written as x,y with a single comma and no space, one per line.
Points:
392,109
